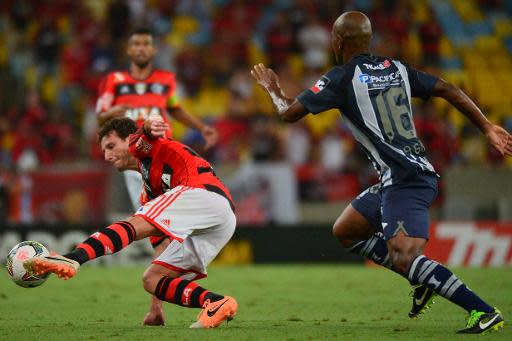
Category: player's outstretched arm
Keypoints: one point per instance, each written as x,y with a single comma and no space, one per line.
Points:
209,133
496,136
115,111
288,109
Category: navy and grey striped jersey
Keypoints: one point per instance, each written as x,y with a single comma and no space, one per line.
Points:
374,95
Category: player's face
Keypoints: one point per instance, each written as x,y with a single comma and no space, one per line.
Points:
115,151
141,49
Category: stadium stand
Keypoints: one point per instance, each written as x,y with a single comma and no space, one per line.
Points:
52,56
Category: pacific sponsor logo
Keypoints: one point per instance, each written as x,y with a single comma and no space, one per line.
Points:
367,79
320,84
384,65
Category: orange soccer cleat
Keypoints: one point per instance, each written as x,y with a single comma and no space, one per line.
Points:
54,263
214,313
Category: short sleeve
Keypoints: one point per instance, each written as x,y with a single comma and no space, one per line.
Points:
105,95
325,94
421,83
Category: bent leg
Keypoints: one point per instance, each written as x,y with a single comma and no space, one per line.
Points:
352,227
359,225
357,235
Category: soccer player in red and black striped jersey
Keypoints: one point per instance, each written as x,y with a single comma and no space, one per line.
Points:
139,93
187,203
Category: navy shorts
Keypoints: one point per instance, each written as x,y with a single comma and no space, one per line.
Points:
399,207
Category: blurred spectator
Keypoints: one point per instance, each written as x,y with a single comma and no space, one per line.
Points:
279,40
47,44
297,144
4,196
190,69
6,142
266,143
118,20
231,31
102,54
333,153
430,37
314,40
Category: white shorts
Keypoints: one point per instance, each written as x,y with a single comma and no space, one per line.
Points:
134,185
198,222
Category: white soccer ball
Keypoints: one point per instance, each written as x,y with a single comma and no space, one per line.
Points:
20,253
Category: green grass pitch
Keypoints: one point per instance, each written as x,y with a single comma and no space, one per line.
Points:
277,302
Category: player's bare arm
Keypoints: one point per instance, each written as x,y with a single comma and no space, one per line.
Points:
209,133
155,315
116,111
288,109
496,136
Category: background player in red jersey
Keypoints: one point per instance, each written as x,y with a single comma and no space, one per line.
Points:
144,92
140,93
189,204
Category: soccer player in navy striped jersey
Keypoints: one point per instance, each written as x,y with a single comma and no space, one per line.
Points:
388,223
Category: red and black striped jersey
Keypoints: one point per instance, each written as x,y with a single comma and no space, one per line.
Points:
152,96
166,163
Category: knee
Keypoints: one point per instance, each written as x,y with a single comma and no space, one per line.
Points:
150,280
340,232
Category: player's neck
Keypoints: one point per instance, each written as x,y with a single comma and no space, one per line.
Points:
140,73
349,54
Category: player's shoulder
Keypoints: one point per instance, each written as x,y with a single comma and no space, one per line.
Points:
338,74
164,74
117,76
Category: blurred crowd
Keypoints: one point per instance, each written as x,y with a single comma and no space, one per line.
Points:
53,54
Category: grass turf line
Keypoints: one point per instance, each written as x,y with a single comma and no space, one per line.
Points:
277,302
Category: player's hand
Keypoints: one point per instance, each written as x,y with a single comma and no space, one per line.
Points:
154,318
211,136
266,78
156,128
500,139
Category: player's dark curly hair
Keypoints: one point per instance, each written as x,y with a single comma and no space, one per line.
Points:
121,125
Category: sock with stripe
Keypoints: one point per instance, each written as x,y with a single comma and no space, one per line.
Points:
184,292
107,241
375,249
445,283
